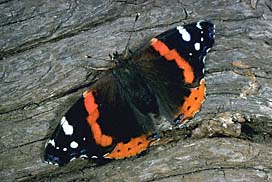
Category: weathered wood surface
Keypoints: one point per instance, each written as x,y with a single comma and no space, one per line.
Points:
43,71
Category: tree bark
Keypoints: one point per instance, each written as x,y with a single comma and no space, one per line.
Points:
43,70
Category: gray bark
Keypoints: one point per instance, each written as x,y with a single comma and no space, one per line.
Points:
43,70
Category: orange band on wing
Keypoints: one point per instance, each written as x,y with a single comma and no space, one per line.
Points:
171,55
193,102
92,109
133,147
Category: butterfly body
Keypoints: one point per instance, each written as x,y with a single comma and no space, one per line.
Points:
114,119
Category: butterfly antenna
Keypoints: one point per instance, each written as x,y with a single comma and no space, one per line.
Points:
133,29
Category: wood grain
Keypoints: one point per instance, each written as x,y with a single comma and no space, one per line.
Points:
43,70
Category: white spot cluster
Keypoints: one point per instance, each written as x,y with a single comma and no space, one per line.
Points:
185,35
68,129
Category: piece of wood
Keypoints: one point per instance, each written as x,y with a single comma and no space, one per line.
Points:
43,70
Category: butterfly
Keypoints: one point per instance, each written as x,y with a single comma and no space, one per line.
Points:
114,119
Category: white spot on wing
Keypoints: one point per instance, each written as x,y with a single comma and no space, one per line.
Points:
190,53
64,149
202,39
105,155
204,59
94,157
52,142
185,35
84,139
72,159
84,156
197,46
73,144
68,129
198,25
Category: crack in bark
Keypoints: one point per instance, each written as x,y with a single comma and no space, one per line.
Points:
221,168
24,144
23,20
70,10
225,93
242,18
268,6
54,97
162,25
6,1
44,39
30,117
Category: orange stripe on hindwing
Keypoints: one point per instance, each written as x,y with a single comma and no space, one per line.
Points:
193,102
92,109
171,55
133,147
122,150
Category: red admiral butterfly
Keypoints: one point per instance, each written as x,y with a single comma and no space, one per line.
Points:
114,119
